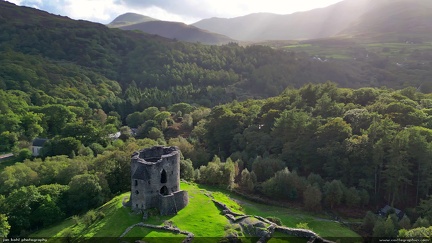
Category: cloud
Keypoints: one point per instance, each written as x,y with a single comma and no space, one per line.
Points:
17,2
227,8
190,8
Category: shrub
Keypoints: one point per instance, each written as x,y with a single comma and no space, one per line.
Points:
275,220
303,226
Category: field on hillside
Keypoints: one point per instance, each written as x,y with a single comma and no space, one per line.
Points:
395,52
319,222
201,217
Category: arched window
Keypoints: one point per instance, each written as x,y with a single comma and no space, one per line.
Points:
164,191
163,176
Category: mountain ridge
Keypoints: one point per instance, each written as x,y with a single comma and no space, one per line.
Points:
168,29
348,18
299,25
410,21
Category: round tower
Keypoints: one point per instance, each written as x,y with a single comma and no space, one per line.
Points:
155,180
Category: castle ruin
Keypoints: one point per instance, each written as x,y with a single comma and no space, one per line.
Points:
155,180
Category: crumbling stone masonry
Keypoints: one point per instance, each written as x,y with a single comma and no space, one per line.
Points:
155,180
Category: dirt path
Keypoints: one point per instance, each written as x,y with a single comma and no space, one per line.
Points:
5,156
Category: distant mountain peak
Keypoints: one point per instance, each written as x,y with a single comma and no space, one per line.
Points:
129,19
167,29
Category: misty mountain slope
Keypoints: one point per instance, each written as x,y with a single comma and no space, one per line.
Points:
129,19
179,31
387,20
401,20
311,24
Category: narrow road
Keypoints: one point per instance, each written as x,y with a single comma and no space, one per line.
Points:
5,156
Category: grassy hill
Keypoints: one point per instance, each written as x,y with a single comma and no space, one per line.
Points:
201,217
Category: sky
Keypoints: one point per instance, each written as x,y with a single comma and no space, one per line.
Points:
187,11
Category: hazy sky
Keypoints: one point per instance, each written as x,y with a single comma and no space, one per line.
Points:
188,11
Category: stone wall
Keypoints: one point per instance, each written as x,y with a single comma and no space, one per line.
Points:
312,236
302,233
181,199
167,205
175,230
171,204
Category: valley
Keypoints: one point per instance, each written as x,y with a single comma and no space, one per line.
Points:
320,118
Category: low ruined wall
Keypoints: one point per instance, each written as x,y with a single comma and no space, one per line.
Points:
227,210
312,236
181,199
189,235
302,233
167,205
171,204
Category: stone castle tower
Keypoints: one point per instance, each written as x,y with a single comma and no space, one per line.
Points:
155,180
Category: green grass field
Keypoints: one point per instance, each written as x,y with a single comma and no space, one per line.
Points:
395,51
201,217
197,216
298,46
116,220
153,235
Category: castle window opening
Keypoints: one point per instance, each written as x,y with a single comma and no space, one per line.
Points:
163,176
164,191
137,192
136,182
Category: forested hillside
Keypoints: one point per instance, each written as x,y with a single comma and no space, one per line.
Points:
324,146
163,71
319,146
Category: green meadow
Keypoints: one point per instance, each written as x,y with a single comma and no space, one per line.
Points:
201,217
